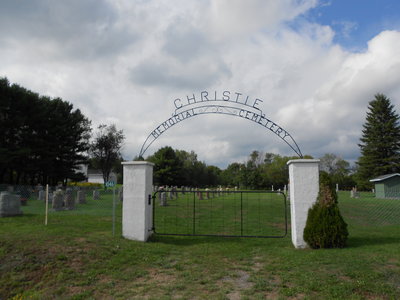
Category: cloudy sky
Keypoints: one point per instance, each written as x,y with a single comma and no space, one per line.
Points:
315,64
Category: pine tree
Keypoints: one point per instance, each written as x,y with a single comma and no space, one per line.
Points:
380,141
325,227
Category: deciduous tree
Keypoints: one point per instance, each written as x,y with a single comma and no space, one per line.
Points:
105,149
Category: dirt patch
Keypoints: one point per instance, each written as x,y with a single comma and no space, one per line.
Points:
243,280
156,277
272,295
233,295
239,282
257,266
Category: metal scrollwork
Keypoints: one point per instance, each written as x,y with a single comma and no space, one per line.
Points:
224,107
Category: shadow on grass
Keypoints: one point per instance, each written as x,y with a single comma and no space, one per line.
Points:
198,240
355,242
29,215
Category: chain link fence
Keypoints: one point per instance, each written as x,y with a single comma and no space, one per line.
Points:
99,206
366,209
64,204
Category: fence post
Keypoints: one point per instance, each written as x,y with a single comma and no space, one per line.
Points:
303,189
137,205
113,213
47,204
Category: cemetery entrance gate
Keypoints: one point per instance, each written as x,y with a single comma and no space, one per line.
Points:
220,212
226,214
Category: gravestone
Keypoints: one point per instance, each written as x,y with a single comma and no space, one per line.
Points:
58,200
96,195
81,197
10,205
50,198
69,201
169,189
354,193
163,199
42,195
174,192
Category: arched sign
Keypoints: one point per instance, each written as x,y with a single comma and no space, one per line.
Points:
227,103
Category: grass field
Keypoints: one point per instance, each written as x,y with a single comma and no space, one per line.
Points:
76,257
260,214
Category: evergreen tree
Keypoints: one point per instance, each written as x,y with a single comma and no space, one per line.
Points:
168,167
325,227
380,141
42,139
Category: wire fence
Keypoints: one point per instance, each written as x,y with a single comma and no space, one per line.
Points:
367,209
100,206
63,204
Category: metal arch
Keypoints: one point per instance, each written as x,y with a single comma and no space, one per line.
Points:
242,112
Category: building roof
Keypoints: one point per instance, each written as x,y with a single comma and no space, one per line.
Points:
384,177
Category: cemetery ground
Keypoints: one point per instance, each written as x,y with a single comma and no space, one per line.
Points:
77,257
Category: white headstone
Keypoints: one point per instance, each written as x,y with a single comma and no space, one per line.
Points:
42,195
10,205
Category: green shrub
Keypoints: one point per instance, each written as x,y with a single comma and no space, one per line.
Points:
85,184
325,227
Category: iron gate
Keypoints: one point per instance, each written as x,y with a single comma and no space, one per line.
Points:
261,214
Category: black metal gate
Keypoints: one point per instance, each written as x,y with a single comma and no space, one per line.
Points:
225,213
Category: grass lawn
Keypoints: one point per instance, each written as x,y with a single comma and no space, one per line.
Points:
76,257
251,213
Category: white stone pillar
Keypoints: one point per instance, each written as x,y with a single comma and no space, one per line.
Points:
303,189
137,207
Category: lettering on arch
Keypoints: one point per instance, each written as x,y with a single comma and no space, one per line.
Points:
225,102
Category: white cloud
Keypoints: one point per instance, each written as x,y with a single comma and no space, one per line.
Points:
126,61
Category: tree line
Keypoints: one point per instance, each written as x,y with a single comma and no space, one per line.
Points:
260,171
42,139
45,140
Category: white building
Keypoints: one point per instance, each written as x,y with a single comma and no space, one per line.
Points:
94,175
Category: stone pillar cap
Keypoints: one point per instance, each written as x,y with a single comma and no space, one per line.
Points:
303,160
137,162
